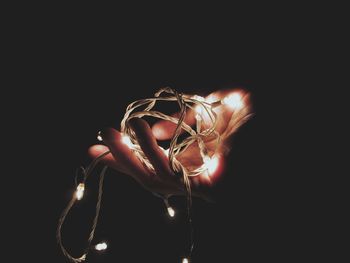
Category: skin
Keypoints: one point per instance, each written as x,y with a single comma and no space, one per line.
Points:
164,182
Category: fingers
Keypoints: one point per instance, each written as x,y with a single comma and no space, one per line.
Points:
96,150
150,147
164,130
123,155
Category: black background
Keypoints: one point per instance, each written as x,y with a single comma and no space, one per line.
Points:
78,70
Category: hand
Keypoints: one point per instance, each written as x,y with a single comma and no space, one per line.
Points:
165,182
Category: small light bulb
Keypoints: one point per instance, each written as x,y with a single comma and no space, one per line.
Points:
99,137
101,246
206,159
198,109
234,101
126,140
211,164
211,99
185,260
199,98
171,211
166,152
198,117
80,191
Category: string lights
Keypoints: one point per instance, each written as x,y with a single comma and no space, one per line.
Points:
80,191
205,127
101,246
211,163
171,211
99,137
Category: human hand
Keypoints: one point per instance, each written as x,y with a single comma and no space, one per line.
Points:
164,181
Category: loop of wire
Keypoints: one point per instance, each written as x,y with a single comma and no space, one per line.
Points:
176,148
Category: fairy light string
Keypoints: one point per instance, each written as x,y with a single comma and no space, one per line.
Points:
205,114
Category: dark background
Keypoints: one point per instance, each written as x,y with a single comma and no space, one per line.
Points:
248,221
77,70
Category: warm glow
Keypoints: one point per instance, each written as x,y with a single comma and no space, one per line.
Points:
211,99
199,98
185,260
234,100
126,140
198,107
101,246
211,164
99,137
80,191
171,211
166,152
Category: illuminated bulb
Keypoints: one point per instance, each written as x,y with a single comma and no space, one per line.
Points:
211,164
80,191
211,99
166,152
234,101
199,98
171,211
101,246
126,140
99,137
198,107
185,260
198,117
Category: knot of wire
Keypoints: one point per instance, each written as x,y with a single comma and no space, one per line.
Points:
185,102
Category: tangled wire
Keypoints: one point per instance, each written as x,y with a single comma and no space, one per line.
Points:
145,107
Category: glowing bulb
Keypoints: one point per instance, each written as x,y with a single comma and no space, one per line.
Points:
99,137
166,152
80,191
234,101
171,211
199,98
126,140
101,246
211,164
185,260
198,109
211,99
